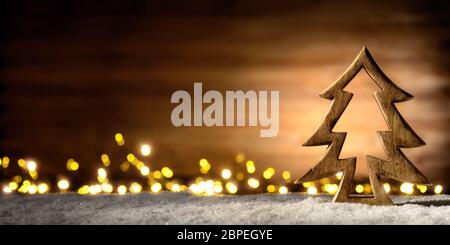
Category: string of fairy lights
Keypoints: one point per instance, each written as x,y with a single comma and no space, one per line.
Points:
243,178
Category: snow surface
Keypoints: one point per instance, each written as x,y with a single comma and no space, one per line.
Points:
182,208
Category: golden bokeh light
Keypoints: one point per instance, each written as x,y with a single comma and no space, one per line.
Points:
311,190
438,189
131,158
43,188
63,184
339,175
283,190
107,188
124,166
119,139
240,158
205,166
240,176
269,173
105,160
407,188
122,190
146,150
286,175
32,189
231,188
135,187
156,187
422,188
331,188
13,185
6,189
253,183
359,188
167,172
175,188
83,190
226,173
31,165
21,163
145,171
72,165
4,162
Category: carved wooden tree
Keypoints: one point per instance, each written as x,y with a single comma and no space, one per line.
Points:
400,136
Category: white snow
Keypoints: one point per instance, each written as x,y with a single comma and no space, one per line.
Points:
182,208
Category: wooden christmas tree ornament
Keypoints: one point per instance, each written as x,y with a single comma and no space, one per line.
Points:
400,135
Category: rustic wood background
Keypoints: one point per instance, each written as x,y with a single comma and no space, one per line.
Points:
75,72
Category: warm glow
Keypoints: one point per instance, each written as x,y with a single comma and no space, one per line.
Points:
438,189
145,171
42,188
4,162
167,172
156,187
6,189
131,157
218,187
33,174
339,175
359,188
124,166
307,184
231,188
387,187
95,189
119,139
135,187
157,174
17,178
203,162
146,150
251,169
407,188
72,165
312,190
240,176
270,188
105,160
268,173
283,190
253,183
102,173
286,175
21,163
121,189
83,190
422,188
13,185
240,157
331,188
226,174
32,189
107,188
63,184
204,166
31,166
175,188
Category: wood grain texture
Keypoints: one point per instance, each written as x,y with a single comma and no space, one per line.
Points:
400,136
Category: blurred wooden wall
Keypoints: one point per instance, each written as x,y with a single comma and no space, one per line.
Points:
75,72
